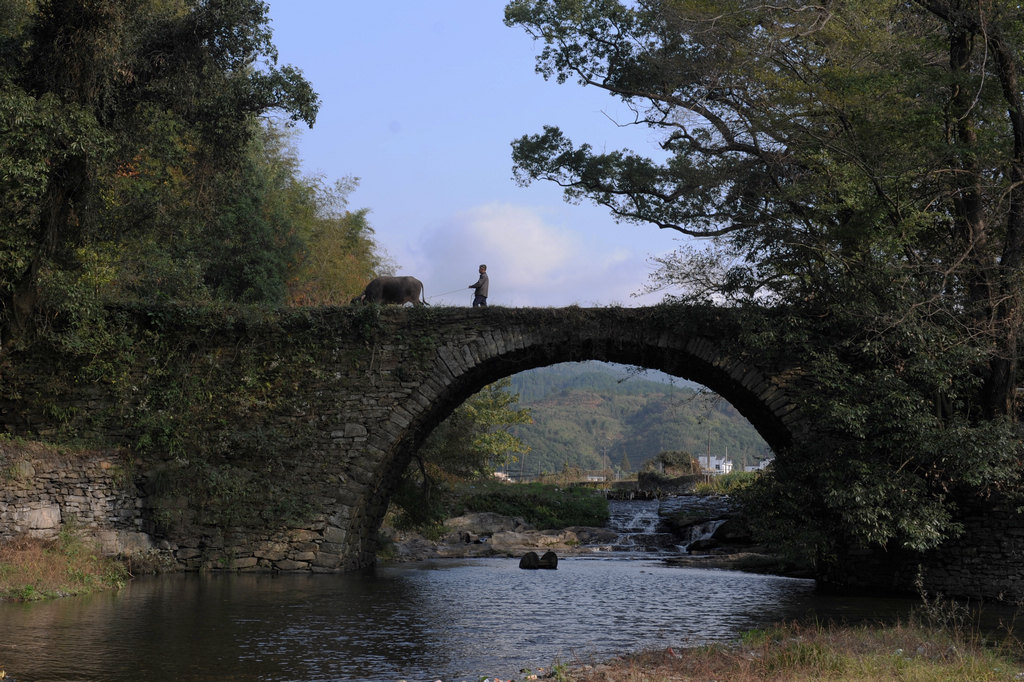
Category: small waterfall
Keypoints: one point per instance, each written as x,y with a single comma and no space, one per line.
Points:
701,531
637,523
633,516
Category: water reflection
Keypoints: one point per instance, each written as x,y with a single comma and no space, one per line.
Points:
448,620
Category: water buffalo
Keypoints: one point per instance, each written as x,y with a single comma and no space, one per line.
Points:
398,290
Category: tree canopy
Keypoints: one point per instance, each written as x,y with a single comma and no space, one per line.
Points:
858,164
144,154
829,150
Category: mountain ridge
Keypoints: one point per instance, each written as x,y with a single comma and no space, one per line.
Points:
596,416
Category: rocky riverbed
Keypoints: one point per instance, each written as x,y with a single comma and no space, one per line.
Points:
489,535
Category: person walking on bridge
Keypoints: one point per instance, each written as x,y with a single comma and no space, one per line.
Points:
480,297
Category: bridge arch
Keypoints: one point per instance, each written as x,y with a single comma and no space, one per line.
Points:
460,367
328,405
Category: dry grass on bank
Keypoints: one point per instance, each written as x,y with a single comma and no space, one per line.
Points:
911,653
32,569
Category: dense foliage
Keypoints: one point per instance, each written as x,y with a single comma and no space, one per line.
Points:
673,463
585,416
142,157
543,506
857,166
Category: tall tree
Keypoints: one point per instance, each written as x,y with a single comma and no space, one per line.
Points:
814,143
857,164
475,440
95,92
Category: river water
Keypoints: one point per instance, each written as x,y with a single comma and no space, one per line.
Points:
447,620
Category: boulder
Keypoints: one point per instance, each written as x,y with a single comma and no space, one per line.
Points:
289,565
45,517
464,537
531,561
124,542
702,545
735,531
243,563
484,523
510,542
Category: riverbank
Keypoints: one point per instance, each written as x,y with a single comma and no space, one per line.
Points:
795,652
949,651
32,569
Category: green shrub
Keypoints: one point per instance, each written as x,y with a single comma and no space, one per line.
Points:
726,484
542,505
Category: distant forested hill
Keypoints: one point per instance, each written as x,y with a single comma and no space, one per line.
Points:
594,415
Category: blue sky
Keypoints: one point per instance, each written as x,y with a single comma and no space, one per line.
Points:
420,101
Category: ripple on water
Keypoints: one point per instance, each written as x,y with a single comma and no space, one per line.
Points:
455,619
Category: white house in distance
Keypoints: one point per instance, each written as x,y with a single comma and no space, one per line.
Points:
763,464
715,465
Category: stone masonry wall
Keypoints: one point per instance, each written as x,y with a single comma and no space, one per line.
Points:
985,562
42,491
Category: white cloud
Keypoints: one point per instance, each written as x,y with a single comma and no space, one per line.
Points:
530,262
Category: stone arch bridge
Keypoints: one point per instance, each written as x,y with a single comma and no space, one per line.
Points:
276,440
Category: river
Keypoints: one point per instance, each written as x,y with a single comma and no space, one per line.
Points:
448,620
